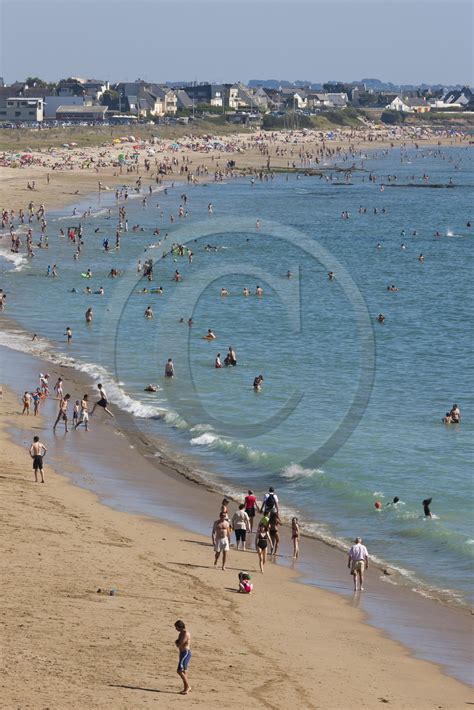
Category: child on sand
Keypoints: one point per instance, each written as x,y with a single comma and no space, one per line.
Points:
245,584
26,403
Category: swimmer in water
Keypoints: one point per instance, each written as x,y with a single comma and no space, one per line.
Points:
393,502
402,246
148,312
331,275
210,335
381,318
89,315
217,362
246,291
224,292
259,291
258,383
289,275
426,507
421,257
455,414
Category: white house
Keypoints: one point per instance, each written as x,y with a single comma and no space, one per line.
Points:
22,109
399,104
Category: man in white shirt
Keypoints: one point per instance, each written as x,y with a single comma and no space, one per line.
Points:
241,525
269,502
358,562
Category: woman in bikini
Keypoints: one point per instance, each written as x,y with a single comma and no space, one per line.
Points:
261,543
273,531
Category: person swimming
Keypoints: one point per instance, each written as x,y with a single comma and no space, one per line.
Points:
257,383
426,507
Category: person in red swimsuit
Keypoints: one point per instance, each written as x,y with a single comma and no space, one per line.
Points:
250,507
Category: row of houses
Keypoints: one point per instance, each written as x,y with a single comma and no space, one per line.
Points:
457,100
77,99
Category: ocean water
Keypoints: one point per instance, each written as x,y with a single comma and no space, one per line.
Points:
350,410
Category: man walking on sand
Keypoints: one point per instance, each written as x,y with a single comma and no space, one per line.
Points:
183,643
37,451
221,538
358,562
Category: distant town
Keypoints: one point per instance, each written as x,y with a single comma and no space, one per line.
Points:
268,104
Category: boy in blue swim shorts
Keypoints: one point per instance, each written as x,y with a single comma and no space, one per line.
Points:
183,643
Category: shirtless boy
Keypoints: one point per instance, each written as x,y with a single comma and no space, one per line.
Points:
183,643
37,451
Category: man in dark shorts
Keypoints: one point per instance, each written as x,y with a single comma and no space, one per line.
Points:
183,643
250,505
37,451
102,402
241,525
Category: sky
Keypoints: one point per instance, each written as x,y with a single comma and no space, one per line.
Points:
402,41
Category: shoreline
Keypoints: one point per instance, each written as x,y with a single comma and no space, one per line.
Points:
190,470
67,545
135,481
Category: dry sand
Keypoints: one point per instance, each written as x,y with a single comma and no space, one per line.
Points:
64,645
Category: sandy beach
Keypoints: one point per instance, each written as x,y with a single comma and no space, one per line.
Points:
66,644
75,172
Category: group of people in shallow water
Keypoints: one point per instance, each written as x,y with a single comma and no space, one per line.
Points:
267,535
393,503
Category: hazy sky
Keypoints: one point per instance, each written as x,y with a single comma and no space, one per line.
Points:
403,41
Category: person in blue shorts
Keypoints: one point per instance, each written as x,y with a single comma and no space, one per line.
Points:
183,643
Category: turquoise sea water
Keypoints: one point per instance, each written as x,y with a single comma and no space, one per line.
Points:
350,411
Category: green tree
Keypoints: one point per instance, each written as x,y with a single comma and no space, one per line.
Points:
392,117
36,81
109,97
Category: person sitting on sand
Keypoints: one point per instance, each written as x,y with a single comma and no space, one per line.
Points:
245,584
